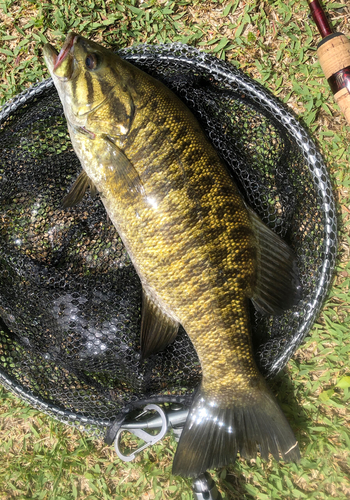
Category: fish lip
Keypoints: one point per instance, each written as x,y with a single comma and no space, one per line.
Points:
50,56
65,50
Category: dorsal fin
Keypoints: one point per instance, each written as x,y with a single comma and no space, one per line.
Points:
278,287
157,328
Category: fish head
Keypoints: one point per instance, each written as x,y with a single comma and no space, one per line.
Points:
94,86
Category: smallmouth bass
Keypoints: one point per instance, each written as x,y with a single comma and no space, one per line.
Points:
200,253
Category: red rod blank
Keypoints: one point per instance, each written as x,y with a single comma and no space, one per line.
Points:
320,18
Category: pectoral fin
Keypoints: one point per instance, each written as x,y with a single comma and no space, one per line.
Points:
278,287
157,329
78,190
124,169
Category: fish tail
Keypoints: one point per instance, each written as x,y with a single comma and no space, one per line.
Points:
213,436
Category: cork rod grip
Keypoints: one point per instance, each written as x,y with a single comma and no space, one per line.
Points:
334,57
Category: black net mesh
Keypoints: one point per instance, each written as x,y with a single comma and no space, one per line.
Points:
70,298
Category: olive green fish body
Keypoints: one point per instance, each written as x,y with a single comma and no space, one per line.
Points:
193,242
188,234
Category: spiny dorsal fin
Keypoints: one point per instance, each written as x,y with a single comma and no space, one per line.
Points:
157,329
278,287
78,190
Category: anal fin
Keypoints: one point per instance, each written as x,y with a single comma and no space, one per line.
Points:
157,328
278,287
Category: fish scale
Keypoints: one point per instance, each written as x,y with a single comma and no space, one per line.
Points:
197,248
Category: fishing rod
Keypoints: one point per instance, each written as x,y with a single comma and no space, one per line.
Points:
334,55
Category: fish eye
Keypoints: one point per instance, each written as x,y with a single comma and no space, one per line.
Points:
91,61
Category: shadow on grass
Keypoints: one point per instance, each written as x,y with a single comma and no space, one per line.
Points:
285,390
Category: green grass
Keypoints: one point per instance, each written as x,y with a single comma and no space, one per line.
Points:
275,42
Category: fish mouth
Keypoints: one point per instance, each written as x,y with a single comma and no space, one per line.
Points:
61,65
65,50
50,56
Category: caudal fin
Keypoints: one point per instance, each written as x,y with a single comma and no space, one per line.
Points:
212,436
